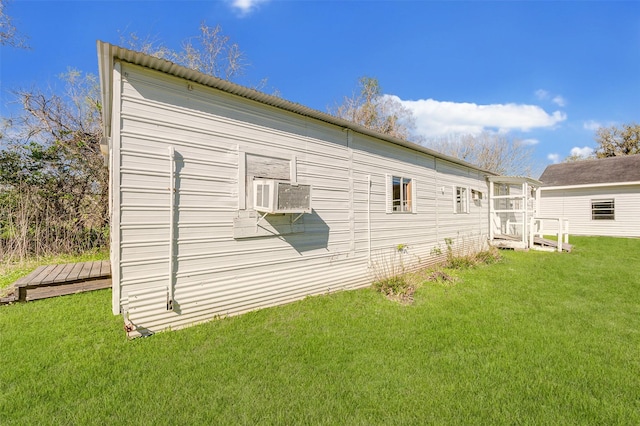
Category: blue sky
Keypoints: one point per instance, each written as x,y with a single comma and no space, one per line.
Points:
549,73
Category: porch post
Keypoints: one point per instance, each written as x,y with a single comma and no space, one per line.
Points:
491,212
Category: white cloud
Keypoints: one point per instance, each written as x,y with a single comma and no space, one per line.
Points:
542,94
559,100
530,141
555,158
545,95
591,125
246,6
583,152
436,118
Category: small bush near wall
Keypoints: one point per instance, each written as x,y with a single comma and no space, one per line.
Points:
390,276
459,259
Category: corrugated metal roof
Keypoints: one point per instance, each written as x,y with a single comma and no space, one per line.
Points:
515,180
108,53
603,170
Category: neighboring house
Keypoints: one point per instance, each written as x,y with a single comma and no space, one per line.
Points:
598,197
197,229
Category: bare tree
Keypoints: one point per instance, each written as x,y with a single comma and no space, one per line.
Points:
490,151
9,35
211,52
618,140
53,179
375,111
575,157
148,45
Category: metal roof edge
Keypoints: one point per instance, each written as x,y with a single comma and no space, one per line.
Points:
105,75
587,185
108,53
515,179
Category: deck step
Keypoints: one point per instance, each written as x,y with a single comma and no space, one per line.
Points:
58,280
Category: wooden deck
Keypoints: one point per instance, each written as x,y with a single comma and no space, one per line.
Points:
512,241
57,280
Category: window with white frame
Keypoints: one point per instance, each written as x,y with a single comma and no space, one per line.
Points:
603,209
401,194
461,199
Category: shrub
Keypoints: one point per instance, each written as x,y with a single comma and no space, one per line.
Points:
390,277
457,259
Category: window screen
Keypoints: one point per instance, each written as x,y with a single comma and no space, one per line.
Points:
603,209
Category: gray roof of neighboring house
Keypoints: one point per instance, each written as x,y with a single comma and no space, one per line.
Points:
597,171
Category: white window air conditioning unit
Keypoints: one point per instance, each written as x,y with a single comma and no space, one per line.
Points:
281,196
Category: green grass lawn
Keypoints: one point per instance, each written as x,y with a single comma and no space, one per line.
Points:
539,338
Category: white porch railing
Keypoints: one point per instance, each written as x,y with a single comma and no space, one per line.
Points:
536,229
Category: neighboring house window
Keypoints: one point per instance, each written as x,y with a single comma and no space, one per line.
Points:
603,209
401,194
462,200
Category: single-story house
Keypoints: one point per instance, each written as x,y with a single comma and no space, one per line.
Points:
224,199
598,197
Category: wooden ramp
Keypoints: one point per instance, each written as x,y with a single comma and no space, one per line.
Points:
515,242
543,242
57,280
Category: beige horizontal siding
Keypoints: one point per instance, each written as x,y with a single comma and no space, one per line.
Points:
218,275
575,205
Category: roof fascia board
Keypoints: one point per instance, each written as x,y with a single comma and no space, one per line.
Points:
593,185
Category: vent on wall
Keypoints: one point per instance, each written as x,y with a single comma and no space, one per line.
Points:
280,196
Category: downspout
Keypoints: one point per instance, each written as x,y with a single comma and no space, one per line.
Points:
369,217
525,213
172,197
437,189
